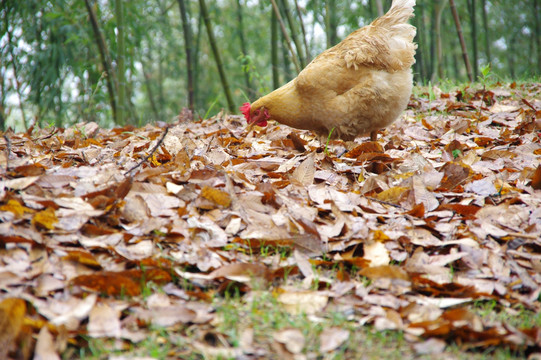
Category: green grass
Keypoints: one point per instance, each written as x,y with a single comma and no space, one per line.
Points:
518,317
264,315
260,312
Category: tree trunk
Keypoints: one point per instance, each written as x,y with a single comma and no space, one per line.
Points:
473,25
286,36
331,23
217,56
456,60
3,85
186,29
485,28
308,57
511,55
134,117
150,94
2,101
537,34
419,56
462,42
432,37
121,73
293,30
274,51
379,7
438,70
39,74
285,59
11,45
104,56
247,81
196,57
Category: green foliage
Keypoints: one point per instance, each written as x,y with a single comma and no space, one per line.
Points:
50,61
248,66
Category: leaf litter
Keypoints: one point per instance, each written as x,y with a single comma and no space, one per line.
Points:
404,233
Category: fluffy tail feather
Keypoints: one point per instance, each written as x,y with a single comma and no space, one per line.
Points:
399,13
387,43
400,32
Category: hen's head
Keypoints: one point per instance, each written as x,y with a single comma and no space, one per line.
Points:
253,117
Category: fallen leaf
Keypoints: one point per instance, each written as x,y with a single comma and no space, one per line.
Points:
243,272
430,346
219,197
292,339
45,347
303,302
304,173
332,338
376,253
104,321
45,219
12,312
536,178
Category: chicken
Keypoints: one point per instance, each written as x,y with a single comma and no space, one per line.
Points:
354,88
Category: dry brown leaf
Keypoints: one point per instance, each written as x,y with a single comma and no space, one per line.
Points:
393,195
104,321
15,207
424,196
166,316
536,178
385,271
430,346
243,272
304,173
366,147
454,174
45,347
45,219
12,312
376,252
303,302
332,338
29,170
121,283
219,197
293,339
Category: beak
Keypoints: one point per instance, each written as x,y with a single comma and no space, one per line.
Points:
256,120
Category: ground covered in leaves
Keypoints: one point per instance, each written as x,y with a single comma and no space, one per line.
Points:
224,244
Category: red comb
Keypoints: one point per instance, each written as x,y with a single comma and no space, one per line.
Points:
245,110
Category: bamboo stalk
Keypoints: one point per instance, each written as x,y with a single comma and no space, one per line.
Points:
217,57
186,29
304,38
462,42
294,36
121,75
284,31
105,57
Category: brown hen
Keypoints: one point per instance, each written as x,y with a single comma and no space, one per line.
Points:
354,88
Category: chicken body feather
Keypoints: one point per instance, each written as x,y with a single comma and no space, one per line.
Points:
358,86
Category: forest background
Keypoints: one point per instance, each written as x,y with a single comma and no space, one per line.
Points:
141,61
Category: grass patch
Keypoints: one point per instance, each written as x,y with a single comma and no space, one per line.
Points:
260,313
518,317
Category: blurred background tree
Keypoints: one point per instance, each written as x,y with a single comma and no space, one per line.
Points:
140,61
